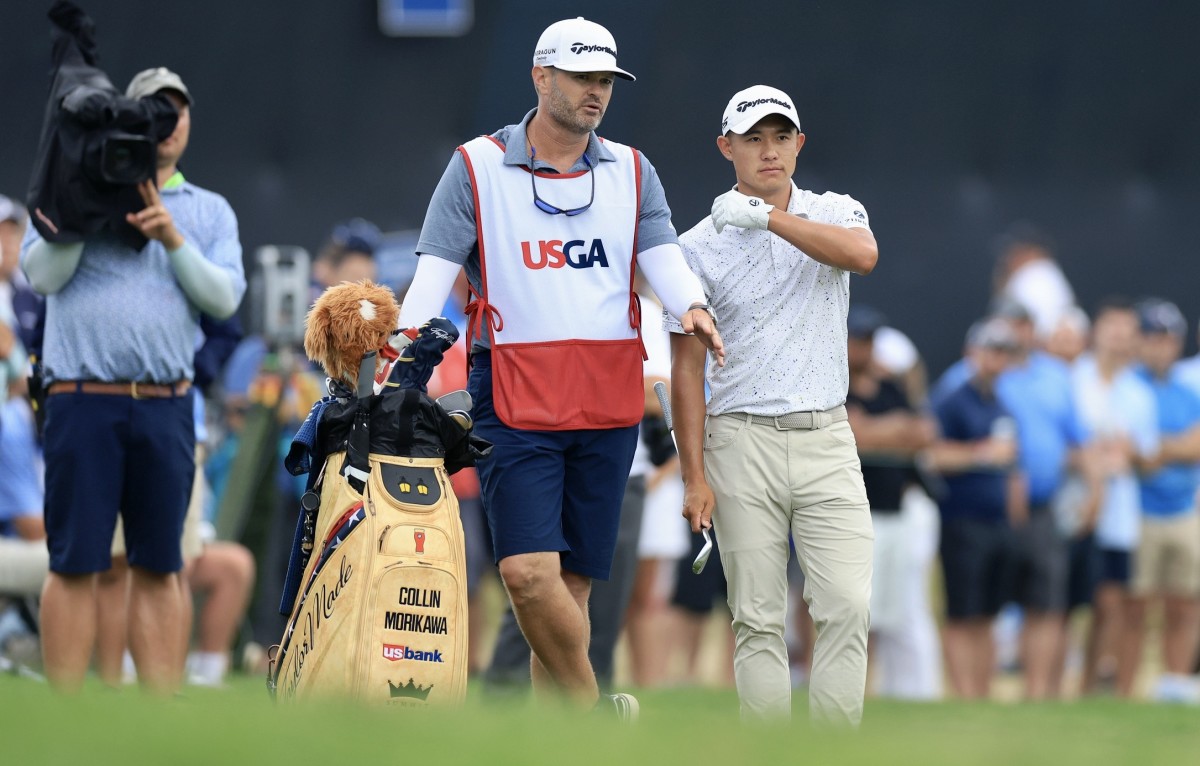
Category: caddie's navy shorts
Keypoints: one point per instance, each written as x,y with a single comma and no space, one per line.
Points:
550,490
110,454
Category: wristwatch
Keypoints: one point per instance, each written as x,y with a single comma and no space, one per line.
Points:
704,307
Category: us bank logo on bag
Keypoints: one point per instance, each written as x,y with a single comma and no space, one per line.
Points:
553,253
396,653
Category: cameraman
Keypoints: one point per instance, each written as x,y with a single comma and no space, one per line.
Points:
119,436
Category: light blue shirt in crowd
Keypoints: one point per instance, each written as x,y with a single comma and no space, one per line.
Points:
1171,490
122,315
1038,394
1124,407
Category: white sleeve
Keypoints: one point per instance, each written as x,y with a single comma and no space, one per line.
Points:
657,342
50,266
431,285
208,286
673,282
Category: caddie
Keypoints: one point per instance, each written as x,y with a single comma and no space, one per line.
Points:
549,222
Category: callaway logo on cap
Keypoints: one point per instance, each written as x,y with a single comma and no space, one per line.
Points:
578,45
752,104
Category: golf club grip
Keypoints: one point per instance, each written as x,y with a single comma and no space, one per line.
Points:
660,389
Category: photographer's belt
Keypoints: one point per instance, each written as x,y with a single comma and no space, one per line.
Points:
804,421
132,389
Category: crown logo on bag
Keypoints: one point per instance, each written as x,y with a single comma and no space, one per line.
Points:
410,689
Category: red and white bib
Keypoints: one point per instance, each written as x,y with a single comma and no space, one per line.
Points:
557,291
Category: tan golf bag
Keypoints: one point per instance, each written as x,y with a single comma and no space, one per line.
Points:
382,611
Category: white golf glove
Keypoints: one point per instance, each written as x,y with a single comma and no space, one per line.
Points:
736,209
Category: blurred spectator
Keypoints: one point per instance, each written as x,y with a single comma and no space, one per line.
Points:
1036,390
1187,370
1167,562
223,576
977,453
959,372
1120,421
890,433
897,357
13,361
1069,338
24,559
1027,273
348,256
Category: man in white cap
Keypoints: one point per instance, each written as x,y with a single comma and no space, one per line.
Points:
776,454
549,222
117,358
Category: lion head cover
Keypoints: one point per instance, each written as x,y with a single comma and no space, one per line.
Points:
348,321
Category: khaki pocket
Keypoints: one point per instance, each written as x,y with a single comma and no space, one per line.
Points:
722,430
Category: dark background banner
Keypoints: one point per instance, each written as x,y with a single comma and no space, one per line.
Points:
948,120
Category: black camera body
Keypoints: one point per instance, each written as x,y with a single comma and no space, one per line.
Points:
96,144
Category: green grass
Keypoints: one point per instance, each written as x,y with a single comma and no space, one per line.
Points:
240,725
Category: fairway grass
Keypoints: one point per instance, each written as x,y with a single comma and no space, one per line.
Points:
241,725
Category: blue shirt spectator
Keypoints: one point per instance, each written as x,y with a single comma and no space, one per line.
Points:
1171,490
968,415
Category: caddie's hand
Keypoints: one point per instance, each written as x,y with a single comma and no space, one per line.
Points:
700,323
154,221
736,209
698,504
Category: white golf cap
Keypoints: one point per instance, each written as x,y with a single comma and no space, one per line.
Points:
578,45
150,81
752,104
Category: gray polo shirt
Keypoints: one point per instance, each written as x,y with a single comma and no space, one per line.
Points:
449,230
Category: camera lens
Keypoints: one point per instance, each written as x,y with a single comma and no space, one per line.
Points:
127,159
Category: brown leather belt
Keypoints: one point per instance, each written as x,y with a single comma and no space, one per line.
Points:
131,389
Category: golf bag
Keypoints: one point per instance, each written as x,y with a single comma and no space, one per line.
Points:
377,587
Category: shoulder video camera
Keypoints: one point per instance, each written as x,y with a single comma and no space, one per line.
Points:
96,144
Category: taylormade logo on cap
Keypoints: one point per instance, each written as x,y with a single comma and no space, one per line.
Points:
749,106
578,45
581,48
744,105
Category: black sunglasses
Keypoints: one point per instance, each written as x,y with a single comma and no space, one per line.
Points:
545,206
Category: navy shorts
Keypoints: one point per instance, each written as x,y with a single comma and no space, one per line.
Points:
977,563
550,490
114,454
1116,566
1084,572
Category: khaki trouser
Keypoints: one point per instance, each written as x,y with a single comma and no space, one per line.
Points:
769,482
1168,556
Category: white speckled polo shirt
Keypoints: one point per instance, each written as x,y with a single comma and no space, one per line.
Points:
781,314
